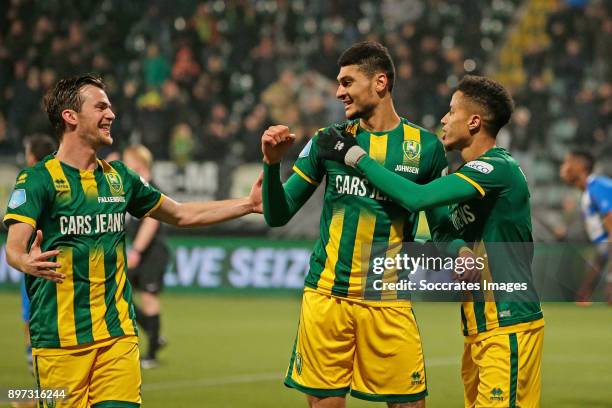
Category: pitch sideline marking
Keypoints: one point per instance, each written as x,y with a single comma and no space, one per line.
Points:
260,377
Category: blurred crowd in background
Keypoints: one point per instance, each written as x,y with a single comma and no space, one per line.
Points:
201,80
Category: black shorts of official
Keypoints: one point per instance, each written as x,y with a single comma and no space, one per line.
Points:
149,275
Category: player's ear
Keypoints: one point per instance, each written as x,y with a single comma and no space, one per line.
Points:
381,82
69,116
474,123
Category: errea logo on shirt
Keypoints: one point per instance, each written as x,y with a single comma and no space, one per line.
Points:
480,166
61,185
22,178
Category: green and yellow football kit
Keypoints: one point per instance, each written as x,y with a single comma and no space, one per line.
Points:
350,339
489,204
82,214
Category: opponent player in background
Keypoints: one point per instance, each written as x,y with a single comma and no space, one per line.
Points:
596,205
147,259
489,200
370,347
82,322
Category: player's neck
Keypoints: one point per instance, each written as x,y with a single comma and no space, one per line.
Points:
480,145
75,152
383,118
581,181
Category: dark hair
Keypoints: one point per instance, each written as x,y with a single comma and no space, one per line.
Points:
492,97
587,158
66,95
40,145
371,57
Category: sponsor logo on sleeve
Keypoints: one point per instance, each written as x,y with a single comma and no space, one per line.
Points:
306,150
17,198
480,166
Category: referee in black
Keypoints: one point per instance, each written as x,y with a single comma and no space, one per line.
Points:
147,260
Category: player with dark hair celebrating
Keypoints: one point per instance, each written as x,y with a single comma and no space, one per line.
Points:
490,204
349,339
82,321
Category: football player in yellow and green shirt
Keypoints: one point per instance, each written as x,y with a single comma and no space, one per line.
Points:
489,201
351,339
65,222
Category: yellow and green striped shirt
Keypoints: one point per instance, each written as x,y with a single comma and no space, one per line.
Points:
82,214
358,222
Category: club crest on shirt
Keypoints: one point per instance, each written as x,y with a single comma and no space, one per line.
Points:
115,183
17,198
412,149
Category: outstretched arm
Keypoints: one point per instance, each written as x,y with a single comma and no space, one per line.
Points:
199,214
337,146
416,197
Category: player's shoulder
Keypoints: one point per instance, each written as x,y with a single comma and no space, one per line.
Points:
115,166
600,181
428,139
36,173
496,161
350,126
600,184
415,126
347,125
500,157
426,134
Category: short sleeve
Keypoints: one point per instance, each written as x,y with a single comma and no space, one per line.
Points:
601,195
308,165
143,197
486,175
27,199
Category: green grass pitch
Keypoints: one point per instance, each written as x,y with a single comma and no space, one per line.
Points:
231,351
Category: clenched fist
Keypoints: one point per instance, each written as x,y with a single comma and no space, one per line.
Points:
275,142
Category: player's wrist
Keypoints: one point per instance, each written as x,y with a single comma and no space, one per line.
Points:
353,155
22,263
271,162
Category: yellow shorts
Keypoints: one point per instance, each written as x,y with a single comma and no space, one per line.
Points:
344,345
503,370
98,375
